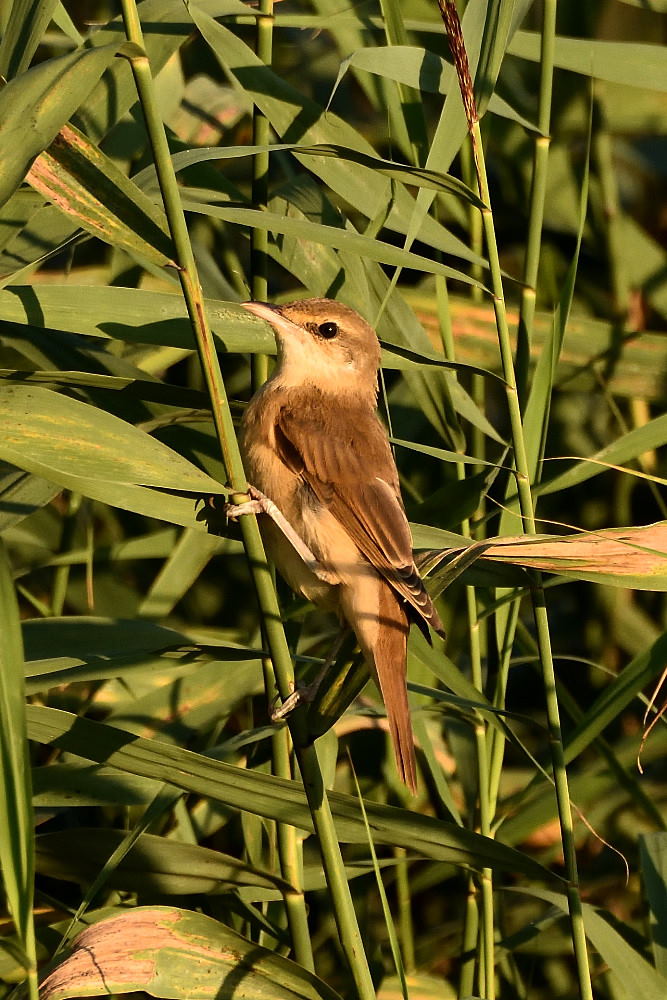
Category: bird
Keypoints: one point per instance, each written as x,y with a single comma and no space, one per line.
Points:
313,444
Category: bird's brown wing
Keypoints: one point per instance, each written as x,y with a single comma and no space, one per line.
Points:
347,462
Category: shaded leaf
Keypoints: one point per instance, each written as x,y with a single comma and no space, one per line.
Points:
152,864
653,858
266,795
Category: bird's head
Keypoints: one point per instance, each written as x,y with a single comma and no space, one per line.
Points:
324,343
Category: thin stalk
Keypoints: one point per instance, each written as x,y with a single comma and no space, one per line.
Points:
526,320
469,943
497,738
487,950
453,26
332,861
259,243
539,605
289,845
538,189
405,925
62,573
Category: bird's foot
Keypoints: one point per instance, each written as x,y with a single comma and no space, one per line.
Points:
258,504
261,504
308,692
300,696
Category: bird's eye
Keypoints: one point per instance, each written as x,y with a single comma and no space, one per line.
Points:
328,330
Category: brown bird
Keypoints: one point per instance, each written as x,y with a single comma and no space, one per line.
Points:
313,444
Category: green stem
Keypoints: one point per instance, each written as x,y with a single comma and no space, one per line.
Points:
259,244
487,952
332,861
537,195
526,320
405,924
457,45
469,942
289,845
539,606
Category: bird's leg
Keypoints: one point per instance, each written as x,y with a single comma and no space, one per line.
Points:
260,504
309,692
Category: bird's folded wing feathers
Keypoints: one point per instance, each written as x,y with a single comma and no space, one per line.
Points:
337,465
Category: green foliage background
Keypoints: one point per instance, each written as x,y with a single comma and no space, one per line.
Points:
153,788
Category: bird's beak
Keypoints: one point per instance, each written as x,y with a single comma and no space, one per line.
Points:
282,326
263,310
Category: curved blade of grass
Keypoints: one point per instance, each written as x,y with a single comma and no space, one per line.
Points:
632,63
16,817
624,449
265,795
84,183
416,176
23,31
626,686
36,105
174,953
633,973
418,68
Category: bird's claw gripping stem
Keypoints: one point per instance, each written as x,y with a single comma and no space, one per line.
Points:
260,504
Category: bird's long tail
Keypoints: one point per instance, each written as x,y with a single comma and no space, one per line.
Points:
389,654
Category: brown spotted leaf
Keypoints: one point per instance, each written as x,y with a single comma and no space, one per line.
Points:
168,952
84,183
634,557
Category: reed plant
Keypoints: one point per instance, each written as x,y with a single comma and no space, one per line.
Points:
481,181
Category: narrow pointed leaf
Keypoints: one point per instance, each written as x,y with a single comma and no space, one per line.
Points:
36,105
23,32
272,797
83,182
49,430
176,954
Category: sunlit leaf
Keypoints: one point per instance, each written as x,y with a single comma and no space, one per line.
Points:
175,954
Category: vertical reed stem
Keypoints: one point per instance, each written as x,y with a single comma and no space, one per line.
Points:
537,195
260,187
453,27
332,861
